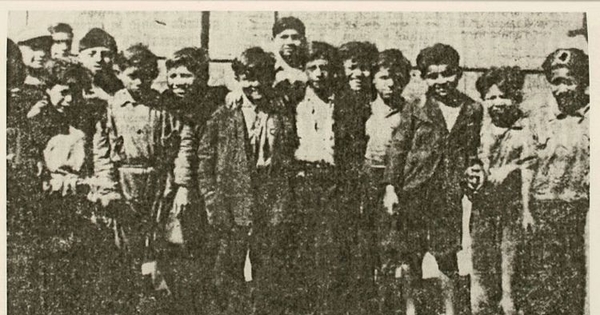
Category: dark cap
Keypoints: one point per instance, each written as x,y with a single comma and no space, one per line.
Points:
97,37
571,58
438,54
288,22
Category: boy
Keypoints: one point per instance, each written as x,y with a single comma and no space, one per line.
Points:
35,48
243,155
560,195
289,40
130,165
97,50
190,103
62,40
61,136
315,184
392,74
437,139
358,61
507,153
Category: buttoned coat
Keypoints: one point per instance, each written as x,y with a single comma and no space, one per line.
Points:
226,168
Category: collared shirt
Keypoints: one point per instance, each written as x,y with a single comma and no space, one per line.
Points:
564,158
314,125
261,131
283,71
135,125
379,128
504,150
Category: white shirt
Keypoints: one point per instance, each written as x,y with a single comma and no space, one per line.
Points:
249,111
379,128
314,124
450,114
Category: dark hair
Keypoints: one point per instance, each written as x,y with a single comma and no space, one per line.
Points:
394,60
573,59
438,54
509,80
254,61
321,50
193,58
288,22
363,52
60,28
67,73
138,56
15,68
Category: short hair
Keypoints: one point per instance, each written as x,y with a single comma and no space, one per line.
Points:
321,50
97,37
573,59
253,61
60,28
195,59
288,22
438,54
509,80
362,52
394,60
140,56
67,73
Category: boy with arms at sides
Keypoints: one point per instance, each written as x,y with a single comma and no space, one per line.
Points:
130,164
507,155
392,74
436,141
243,156
185,262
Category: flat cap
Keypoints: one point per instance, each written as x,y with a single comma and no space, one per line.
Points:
97,37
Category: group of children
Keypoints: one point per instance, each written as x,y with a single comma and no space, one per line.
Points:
314,187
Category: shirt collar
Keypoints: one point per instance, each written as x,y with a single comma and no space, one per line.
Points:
246,103
123,97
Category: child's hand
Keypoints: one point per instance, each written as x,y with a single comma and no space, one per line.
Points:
181,202
37,108
390,199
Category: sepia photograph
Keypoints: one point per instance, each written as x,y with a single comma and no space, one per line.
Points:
296,161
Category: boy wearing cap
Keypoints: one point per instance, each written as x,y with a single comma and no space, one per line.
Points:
555,263
35,48
130,164
392,74
437,139
243,156
97,50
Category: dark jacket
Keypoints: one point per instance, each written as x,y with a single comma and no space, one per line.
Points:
422,148
226,168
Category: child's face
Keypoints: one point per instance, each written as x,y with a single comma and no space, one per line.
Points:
34,57
388,83
288,42
358,75
319,74
135,80
61,46
181,80
256,86
442,80
566,89
60,96
96,58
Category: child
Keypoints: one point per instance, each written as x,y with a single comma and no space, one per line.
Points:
129,161
61,143
190,102
392,74
243,156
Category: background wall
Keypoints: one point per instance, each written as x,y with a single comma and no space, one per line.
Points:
482,39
